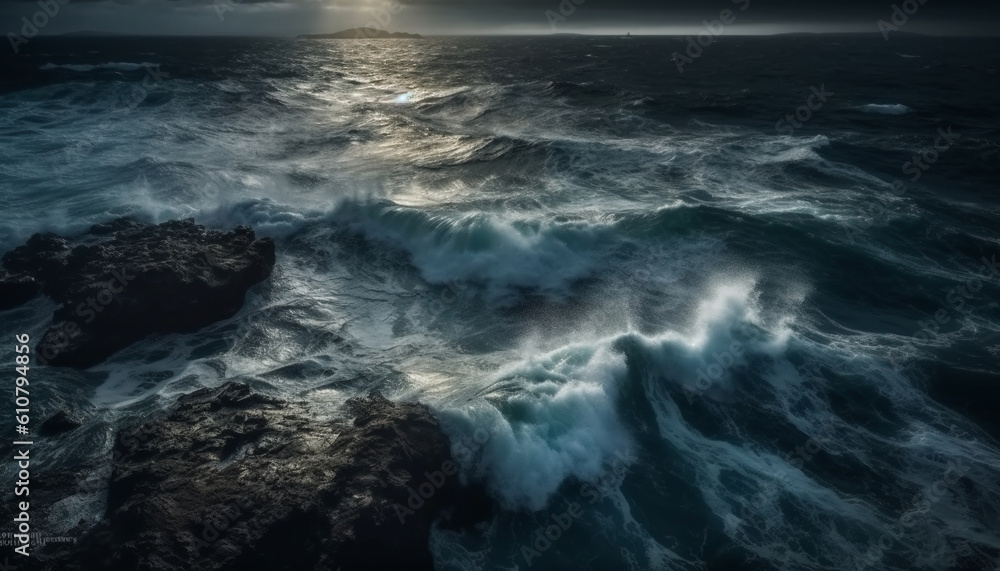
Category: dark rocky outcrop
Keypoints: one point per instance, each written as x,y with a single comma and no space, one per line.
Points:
370,33
233,480
126,279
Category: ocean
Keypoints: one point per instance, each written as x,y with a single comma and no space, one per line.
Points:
731,311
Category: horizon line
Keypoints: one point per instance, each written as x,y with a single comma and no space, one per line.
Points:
98,33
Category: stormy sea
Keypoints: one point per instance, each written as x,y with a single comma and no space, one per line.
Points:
727,308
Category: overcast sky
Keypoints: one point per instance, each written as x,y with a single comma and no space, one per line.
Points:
290,17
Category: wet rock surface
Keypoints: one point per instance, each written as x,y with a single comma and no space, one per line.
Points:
233,480
125,280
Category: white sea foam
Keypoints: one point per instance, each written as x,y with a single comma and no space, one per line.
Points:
500,254
886,109
573,210
539,410
559,422
553,415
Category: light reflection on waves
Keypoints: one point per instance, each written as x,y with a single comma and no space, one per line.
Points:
534,255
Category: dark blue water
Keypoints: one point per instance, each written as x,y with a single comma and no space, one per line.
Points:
739,316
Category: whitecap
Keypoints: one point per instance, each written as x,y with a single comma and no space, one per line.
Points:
560,423
886,109
401,98
501,254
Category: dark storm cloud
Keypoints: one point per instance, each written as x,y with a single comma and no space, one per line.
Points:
783,9
496,16
774,7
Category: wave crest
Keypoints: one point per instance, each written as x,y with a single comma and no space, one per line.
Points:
886,109
501,255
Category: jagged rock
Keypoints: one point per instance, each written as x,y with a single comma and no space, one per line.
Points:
39,257
125,280
232,480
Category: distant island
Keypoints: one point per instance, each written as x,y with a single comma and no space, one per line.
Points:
362,34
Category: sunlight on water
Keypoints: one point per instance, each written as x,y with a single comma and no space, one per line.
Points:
586,258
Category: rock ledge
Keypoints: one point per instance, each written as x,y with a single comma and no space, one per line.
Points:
125,280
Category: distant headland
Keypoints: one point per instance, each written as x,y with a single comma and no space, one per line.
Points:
362,34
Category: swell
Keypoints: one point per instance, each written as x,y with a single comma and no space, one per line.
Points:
501,254
799,453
